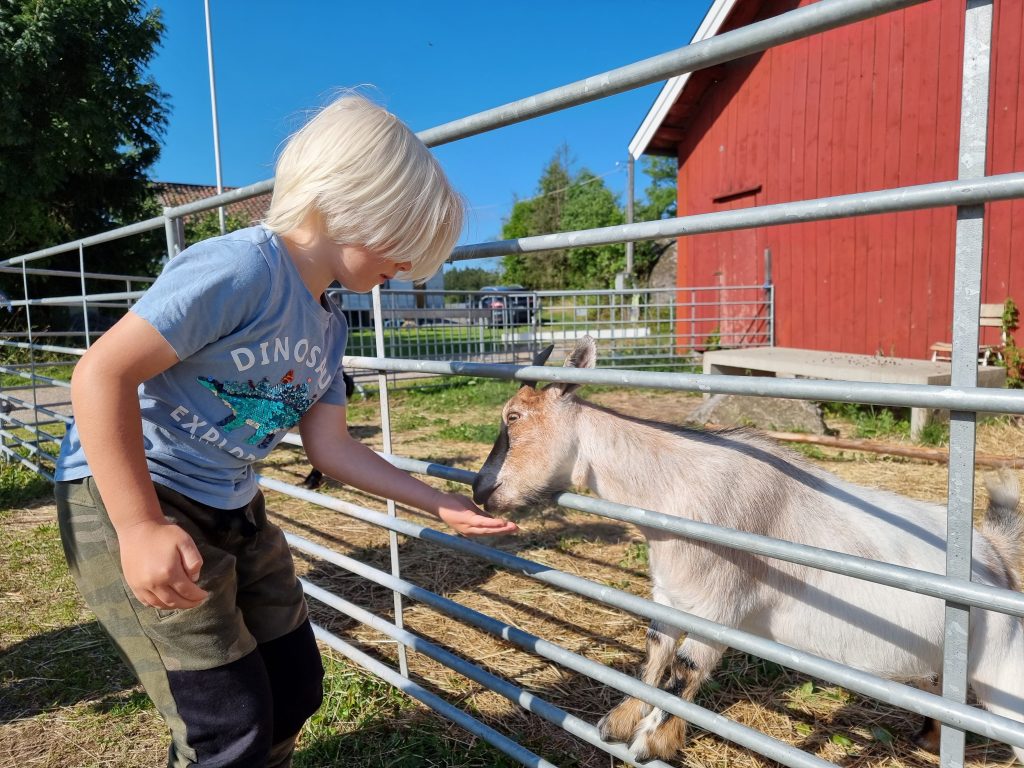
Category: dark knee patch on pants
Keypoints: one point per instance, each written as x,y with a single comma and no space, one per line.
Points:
228,712
296,676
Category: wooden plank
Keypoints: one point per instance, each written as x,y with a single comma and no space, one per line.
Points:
864,151
874,163
947,137
805,273
894,123
844,165
923,79
1003,113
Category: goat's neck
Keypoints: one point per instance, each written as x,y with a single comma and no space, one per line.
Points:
621,459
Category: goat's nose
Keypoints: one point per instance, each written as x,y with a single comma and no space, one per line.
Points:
483,490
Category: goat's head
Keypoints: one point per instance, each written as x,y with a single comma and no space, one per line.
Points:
533,457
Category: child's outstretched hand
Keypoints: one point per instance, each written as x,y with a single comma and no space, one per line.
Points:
463,516
161,565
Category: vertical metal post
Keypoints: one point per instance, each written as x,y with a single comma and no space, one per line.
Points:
174,229
31,350
85,303
966,312
213,107
630,193
385,428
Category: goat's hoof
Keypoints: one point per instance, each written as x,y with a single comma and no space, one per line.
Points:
928,737
606,730
659,736
620,723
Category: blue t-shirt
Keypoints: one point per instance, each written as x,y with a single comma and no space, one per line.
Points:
255,351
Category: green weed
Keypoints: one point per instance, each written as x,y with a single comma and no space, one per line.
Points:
470,433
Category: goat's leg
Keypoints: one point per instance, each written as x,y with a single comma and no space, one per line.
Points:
620,723
996,669
927,736
660,734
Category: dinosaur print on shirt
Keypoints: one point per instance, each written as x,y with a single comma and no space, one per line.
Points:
265,407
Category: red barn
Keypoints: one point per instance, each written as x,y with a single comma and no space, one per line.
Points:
869,106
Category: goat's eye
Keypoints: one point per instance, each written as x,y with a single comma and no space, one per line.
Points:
512,417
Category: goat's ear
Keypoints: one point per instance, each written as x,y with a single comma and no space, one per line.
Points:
539,359
583,356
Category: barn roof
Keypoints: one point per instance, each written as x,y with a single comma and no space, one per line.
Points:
171,194
661,129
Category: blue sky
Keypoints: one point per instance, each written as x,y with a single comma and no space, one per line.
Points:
429,64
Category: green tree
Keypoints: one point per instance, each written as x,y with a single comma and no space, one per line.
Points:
565,202
590,204
80,123
540,215
659,203
207,224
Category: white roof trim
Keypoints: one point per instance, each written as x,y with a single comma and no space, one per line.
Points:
713,21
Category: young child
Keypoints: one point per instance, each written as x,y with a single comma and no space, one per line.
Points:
163,524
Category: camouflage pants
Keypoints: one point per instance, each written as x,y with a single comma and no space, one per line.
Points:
234,677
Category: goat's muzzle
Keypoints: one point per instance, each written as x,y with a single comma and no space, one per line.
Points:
486,481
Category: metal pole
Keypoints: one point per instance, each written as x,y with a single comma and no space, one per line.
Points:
173,231
213,106
85,301
630,193
966,312
385,429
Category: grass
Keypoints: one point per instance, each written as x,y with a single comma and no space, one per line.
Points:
871,421
20,485
356,725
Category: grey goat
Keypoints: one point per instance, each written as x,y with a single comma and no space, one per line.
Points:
550,440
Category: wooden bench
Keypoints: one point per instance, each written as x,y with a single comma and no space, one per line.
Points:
787,362
992,317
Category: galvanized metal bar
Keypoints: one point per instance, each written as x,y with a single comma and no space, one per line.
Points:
570,723
41,347
901,577
728,729
897,694
966,313
173,234
15,456
1004,186
73,273
34,377
104,237
223,199
57,416
752,38
495,738
911,395
73,300
385,428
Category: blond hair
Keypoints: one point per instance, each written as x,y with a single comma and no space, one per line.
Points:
371,182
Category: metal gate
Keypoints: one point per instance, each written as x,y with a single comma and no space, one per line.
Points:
968,193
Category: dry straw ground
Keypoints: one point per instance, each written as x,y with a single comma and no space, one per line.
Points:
826,720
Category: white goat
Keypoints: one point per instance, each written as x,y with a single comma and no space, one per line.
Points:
551,440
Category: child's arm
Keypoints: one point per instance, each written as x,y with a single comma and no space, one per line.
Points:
337,454
159,559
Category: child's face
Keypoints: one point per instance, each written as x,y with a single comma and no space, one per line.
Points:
360,269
